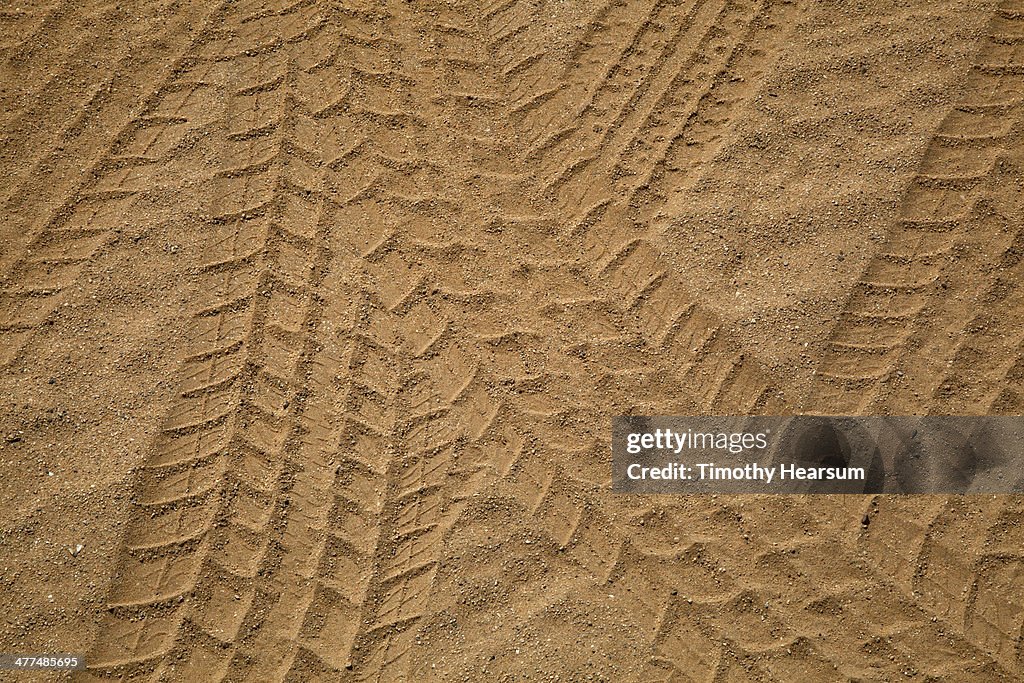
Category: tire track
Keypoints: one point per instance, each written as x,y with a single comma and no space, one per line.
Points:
385,513
415,397
93,214
549,501
610,127
347,498
399,489
991,340
209,496
544,483
904,323
372,375
544,99
915,312
695,612
608,203
53,134
691,594
951,568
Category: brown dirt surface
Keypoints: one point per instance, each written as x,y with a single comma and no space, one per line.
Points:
314,316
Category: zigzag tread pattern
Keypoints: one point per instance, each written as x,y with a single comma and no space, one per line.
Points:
91,215
908,322
365,384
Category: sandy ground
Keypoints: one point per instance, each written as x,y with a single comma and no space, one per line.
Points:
313,317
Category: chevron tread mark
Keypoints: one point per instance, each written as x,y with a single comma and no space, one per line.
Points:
622,256
542,98
68,118
210,494
638,275
902,334
102,205
390,427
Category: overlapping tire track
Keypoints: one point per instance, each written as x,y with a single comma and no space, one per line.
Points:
535,480
365,627
725,406
913,340
356,394
248,564
631,144
425,426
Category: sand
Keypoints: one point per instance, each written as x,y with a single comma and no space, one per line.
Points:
314,316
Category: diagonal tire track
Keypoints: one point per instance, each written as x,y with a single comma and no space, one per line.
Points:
357,393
